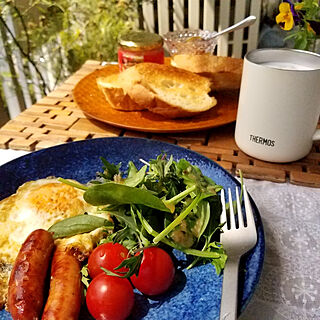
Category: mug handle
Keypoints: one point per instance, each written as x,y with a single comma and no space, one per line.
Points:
316,136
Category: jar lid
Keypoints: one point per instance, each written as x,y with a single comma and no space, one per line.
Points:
140,40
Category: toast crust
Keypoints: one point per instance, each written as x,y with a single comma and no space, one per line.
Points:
172,112
116,96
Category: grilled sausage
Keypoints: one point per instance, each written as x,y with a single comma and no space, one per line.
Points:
27,279
64,299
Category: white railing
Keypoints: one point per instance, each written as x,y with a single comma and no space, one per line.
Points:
20,81
162,16
158,16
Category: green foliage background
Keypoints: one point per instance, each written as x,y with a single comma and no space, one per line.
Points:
75,30
87,29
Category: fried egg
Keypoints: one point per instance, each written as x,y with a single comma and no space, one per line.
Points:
38,205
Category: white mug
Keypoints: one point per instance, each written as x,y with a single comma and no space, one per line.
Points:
279,104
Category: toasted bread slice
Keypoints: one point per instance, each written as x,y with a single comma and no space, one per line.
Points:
136,88
115,95
224,72
176,92
162,89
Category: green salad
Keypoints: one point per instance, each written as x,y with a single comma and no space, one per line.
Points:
166,203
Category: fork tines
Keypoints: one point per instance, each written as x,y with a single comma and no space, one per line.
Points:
233,215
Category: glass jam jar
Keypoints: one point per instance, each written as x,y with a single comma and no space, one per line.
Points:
139,46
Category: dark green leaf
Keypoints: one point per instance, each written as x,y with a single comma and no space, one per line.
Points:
124,218
109,169
214,222
77,225
114,193
133,264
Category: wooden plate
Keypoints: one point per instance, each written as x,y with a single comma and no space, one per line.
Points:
93,103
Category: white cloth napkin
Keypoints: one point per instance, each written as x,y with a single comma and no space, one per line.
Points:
7,155
289,287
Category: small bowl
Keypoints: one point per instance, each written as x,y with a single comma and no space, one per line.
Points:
190,41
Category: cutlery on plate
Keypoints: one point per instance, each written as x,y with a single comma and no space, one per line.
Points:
237,239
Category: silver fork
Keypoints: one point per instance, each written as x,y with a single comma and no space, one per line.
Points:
236,241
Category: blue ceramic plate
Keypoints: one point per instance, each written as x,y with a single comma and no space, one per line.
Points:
196,293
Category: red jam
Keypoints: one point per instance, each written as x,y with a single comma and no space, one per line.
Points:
139,46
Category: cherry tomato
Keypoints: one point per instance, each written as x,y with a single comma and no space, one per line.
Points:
109,256
109,298
156,272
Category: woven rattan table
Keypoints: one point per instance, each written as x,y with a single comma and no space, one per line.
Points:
56,119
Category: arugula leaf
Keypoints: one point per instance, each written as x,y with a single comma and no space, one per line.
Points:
203,214
167,166
178,220
120,212
109,169
199,254
135,177
85,279
125,236
220,262
129,231
162,177
192,175
132,263
214,221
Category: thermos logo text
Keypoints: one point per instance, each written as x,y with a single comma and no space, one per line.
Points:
261,140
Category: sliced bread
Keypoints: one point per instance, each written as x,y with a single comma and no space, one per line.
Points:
162,89
177,92
115,95
224,72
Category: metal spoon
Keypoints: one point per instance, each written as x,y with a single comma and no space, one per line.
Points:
209,36
239,25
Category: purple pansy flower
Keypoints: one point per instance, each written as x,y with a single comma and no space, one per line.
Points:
296,15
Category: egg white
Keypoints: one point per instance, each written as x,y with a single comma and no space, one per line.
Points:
38,205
